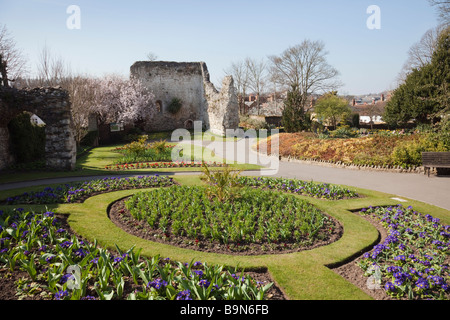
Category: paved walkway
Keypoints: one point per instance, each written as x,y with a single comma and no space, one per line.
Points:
433,190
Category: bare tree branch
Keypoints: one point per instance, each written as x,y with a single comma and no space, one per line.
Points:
51,70
240,73
420,53
12,61
443,10
152,56
257,77
304,66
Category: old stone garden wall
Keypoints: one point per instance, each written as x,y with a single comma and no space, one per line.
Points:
190,82
52,105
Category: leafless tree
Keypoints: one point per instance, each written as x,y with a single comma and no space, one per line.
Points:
443,9
83,93
52,70
12,61
420,53
151,56
305,66
239,71
257,71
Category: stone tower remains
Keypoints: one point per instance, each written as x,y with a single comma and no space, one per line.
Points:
189,82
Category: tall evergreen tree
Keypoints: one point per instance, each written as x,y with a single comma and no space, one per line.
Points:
293,117
424,96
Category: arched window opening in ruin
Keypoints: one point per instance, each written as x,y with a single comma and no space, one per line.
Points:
27,139
159,106
189,124
52,106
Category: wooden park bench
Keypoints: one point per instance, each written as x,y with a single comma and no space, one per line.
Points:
435,160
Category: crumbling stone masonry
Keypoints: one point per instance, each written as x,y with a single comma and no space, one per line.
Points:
190,82
52,105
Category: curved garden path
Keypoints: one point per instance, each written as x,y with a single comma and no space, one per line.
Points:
432,190
302,275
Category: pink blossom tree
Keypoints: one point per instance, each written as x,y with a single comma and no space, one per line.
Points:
123,100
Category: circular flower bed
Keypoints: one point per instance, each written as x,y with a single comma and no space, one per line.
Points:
413,261
255,222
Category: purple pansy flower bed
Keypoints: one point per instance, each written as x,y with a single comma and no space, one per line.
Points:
413,260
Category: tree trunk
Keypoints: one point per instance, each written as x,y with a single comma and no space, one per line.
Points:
3,72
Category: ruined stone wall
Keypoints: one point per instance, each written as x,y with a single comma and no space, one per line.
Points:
222,109
5,156
52,105
190,82
169,80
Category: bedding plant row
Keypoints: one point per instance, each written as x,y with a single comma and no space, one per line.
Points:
61,266
159,165
413,261
383,148
300,187
77,191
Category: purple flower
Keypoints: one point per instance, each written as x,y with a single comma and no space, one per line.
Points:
204,283
80,253
389,286
61,294
422,283
184,295
118,259
157,283
66,244
94,261
437,280
400,258
393,269
64,278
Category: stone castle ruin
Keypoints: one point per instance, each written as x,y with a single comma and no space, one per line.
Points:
187,82
52,105
200,100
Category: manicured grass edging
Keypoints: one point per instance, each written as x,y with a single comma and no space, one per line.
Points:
302,276
95,160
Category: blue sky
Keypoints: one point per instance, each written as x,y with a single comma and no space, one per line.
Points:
115,34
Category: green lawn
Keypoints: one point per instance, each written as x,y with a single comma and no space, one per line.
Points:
302,275
93,162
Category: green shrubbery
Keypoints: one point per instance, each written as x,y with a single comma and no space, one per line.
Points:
437,139
250,123
27,139
143,151
383,148
342,132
